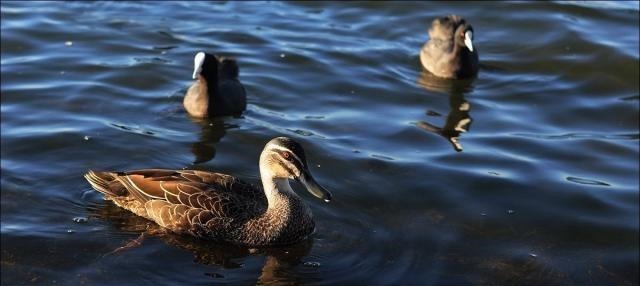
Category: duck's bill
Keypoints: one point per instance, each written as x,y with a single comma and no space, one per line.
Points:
314,188
468,36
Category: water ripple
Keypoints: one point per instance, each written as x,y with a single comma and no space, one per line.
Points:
580,136
584,181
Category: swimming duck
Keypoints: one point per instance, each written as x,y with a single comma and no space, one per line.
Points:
450,53
222,207
217,90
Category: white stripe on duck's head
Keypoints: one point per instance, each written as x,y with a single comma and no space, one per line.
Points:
284,158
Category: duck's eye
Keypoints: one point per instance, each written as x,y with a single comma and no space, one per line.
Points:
286,155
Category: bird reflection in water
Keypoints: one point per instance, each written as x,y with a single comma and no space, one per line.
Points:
458,120
278,260
212,130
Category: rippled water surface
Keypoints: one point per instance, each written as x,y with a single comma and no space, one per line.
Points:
527,174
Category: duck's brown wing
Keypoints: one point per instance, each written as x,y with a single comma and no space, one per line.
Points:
198,202
171,184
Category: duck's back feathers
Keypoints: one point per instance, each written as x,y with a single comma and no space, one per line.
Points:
444,27
190,201
233,99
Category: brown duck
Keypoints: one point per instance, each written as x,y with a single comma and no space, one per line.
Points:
450,53
216,91
221,207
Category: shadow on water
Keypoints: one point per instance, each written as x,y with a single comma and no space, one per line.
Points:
212,130
278,260
458,120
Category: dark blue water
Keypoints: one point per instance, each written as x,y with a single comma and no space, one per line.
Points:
526,175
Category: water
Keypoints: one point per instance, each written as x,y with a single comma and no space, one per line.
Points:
526,175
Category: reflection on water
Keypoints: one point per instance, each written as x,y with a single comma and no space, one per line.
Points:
277,259
212,130
458,120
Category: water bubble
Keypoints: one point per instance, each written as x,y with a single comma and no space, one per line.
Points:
311,264
214,275
80,219
68,43
70,231
533,255
433,113
282,55
511,211
87,137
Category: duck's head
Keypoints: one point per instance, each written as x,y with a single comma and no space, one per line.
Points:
284,158
205,64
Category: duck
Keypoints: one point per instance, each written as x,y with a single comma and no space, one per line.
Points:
221,207
216,91
449,52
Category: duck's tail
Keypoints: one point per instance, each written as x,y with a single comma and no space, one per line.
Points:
106,183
